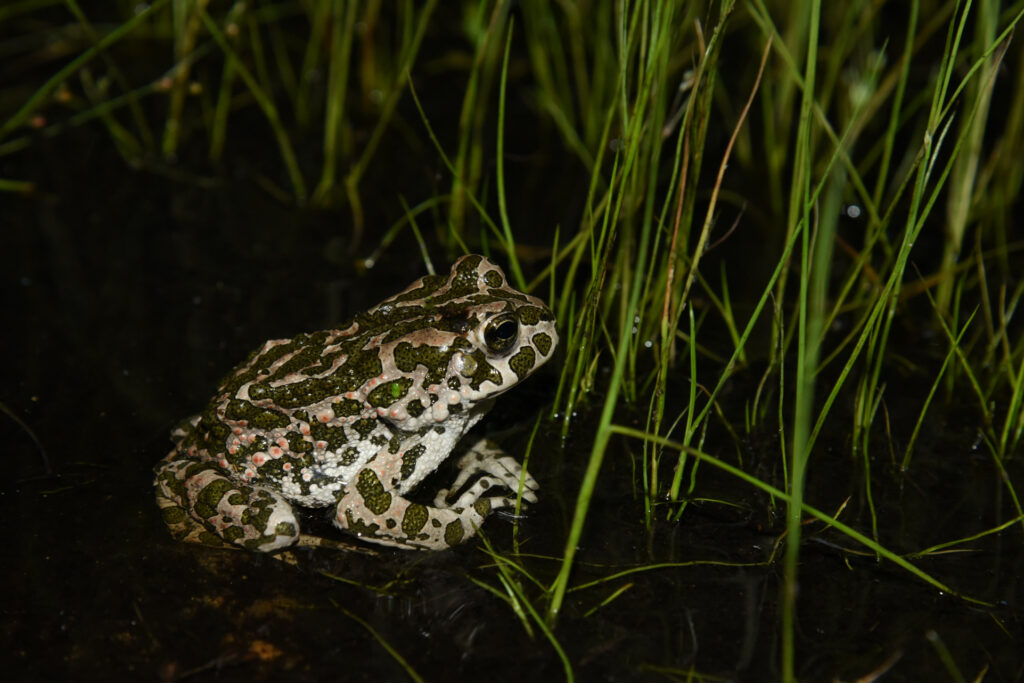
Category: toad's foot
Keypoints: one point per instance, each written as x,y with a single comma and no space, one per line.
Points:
498,469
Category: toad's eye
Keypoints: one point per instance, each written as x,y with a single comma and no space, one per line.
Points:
501,333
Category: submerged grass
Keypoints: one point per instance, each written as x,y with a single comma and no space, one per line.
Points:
828,165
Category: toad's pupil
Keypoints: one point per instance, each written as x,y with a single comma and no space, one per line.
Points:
506,330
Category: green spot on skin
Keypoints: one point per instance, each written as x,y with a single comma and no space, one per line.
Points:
274,470
213,540
435,360
454,532
415,518
347,407
372,490
334,436
174,515
463,278
522,363
241,455
208,499
297,444
324,364
483,506
209,433
310,353
410,458
484,372
494,279
414,408
257,515
543,343
350,375
386,394
364,427
359,527
531,315
261,418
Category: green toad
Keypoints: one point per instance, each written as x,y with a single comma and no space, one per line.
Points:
354,418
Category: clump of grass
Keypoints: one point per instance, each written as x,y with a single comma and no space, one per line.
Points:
824,165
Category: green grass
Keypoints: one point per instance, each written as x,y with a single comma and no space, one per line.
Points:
671,114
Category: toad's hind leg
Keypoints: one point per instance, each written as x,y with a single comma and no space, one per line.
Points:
385,517
200,504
